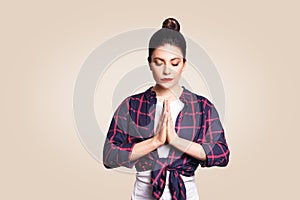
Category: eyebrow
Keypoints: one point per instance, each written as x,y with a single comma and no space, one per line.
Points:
164,60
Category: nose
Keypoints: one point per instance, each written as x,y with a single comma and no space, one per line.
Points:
166,70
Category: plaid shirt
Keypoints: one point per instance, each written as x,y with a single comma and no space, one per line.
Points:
133,122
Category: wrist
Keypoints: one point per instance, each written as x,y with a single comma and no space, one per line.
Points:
155,142
172,139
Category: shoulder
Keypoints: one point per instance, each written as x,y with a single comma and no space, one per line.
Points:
138,96
201,100
135,99
204,105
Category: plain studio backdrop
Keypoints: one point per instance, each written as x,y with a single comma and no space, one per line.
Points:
254,45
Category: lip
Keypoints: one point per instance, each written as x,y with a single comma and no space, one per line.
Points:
166,79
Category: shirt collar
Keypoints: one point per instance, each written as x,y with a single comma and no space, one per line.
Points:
185,97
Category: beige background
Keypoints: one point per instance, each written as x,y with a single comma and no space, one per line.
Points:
254,44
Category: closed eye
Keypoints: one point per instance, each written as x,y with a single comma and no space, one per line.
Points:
158,64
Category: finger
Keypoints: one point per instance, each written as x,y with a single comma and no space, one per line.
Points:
167,106
160,123
162,113
165,118
169,121
170,118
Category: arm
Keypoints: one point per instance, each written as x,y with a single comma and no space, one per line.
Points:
146,146
142,148
189,147
213,151
117,149
214,144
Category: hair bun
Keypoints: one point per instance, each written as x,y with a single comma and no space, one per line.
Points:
171,23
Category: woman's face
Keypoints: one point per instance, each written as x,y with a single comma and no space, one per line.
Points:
167,65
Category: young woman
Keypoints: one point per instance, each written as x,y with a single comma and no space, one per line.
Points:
167,131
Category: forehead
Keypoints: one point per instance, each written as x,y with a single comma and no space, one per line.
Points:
167,51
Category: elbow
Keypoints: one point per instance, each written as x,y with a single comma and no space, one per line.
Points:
224,163
216,155
109,164
225,160
106,166
222,160
106,163
108,160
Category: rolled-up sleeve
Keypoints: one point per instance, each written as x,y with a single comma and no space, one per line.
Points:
214,145
117,147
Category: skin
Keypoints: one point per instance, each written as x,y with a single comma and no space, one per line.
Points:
167,62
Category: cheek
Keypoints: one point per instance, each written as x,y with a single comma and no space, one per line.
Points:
155,73
179,71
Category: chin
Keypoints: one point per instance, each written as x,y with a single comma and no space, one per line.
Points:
166,85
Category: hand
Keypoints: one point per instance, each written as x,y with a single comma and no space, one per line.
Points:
161,135
171,133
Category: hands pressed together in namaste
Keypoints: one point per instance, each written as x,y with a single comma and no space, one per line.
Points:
165,129
166,134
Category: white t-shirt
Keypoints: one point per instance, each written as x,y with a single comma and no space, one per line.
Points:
142,188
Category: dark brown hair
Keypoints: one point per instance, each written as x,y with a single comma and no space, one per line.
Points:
168,34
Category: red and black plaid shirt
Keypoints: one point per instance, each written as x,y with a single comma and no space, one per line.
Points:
133,122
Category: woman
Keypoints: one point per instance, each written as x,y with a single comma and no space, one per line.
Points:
167,131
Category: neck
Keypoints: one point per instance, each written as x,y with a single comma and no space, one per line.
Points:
166,93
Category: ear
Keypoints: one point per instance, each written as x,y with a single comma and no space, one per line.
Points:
184,66
149,63
150,67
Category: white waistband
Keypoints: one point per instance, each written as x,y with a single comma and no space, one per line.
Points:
145,176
